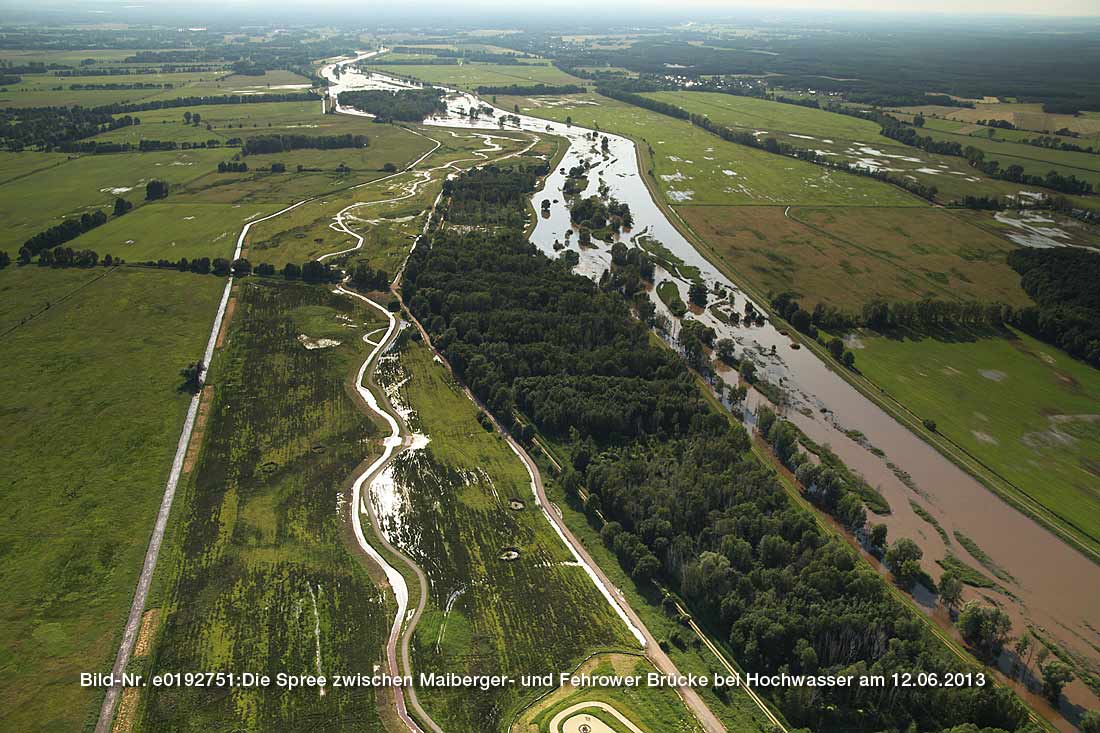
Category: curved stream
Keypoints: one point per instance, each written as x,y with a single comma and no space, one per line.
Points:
1056,589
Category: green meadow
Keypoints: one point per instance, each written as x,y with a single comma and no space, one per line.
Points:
92,383
470,75
257,572
456,518
1024,408
692,166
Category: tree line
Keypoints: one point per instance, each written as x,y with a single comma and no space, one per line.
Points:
262,144
1062,281
517,90
683,498
47,128
769,144
406,105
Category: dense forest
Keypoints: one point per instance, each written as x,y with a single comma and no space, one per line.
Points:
407,105
1063,282
683,497
281,143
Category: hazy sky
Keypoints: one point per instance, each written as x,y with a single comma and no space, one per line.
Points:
497,13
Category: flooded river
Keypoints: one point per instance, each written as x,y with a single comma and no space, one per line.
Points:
1052,587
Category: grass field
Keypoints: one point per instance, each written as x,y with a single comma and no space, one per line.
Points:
761,114
260,574
471,75
654,710
1022,407
1024,116
448,506
846,257
694,166
89,421
47,90
168,230
38,201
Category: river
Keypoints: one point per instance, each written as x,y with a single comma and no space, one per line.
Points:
1056,589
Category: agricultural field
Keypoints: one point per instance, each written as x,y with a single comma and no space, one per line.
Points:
258,573
848,257
168,230
505,594
474,74
40,200
1023,116
692,166
752,113
94,378
1023,407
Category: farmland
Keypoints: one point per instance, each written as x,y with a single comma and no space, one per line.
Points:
1023,116
449,505
258,574
94,378
846,257
471,75
692,166
1020,406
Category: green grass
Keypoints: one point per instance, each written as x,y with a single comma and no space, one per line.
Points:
654,710
1033,159
924,514
260,542
760,114
20,165
40,200
1024,408
89,422
968,575
471,75
982,557
535,614
846,257
169,230
692,166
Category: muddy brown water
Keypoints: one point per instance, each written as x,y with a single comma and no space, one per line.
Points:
1056,589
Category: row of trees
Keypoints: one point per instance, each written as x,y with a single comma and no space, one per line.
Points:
48,128
261,144
693,507
769,144
407,105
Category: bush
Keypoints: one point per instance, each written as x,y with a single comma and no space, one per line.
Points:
929,424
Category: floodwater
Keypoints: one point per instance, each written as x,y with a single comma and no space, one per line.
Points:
1055,588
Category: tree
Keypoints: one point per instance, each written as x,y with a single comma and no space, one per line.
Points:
984,627
389,168
195,119
292,271
1090,722
950,590
802,321
697,294
646,569
1056,675
155,190
903,557
878,537
192,377
278,167
849,359
242,267
747,371
836,348
220,266
5,260
122,206
187,118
